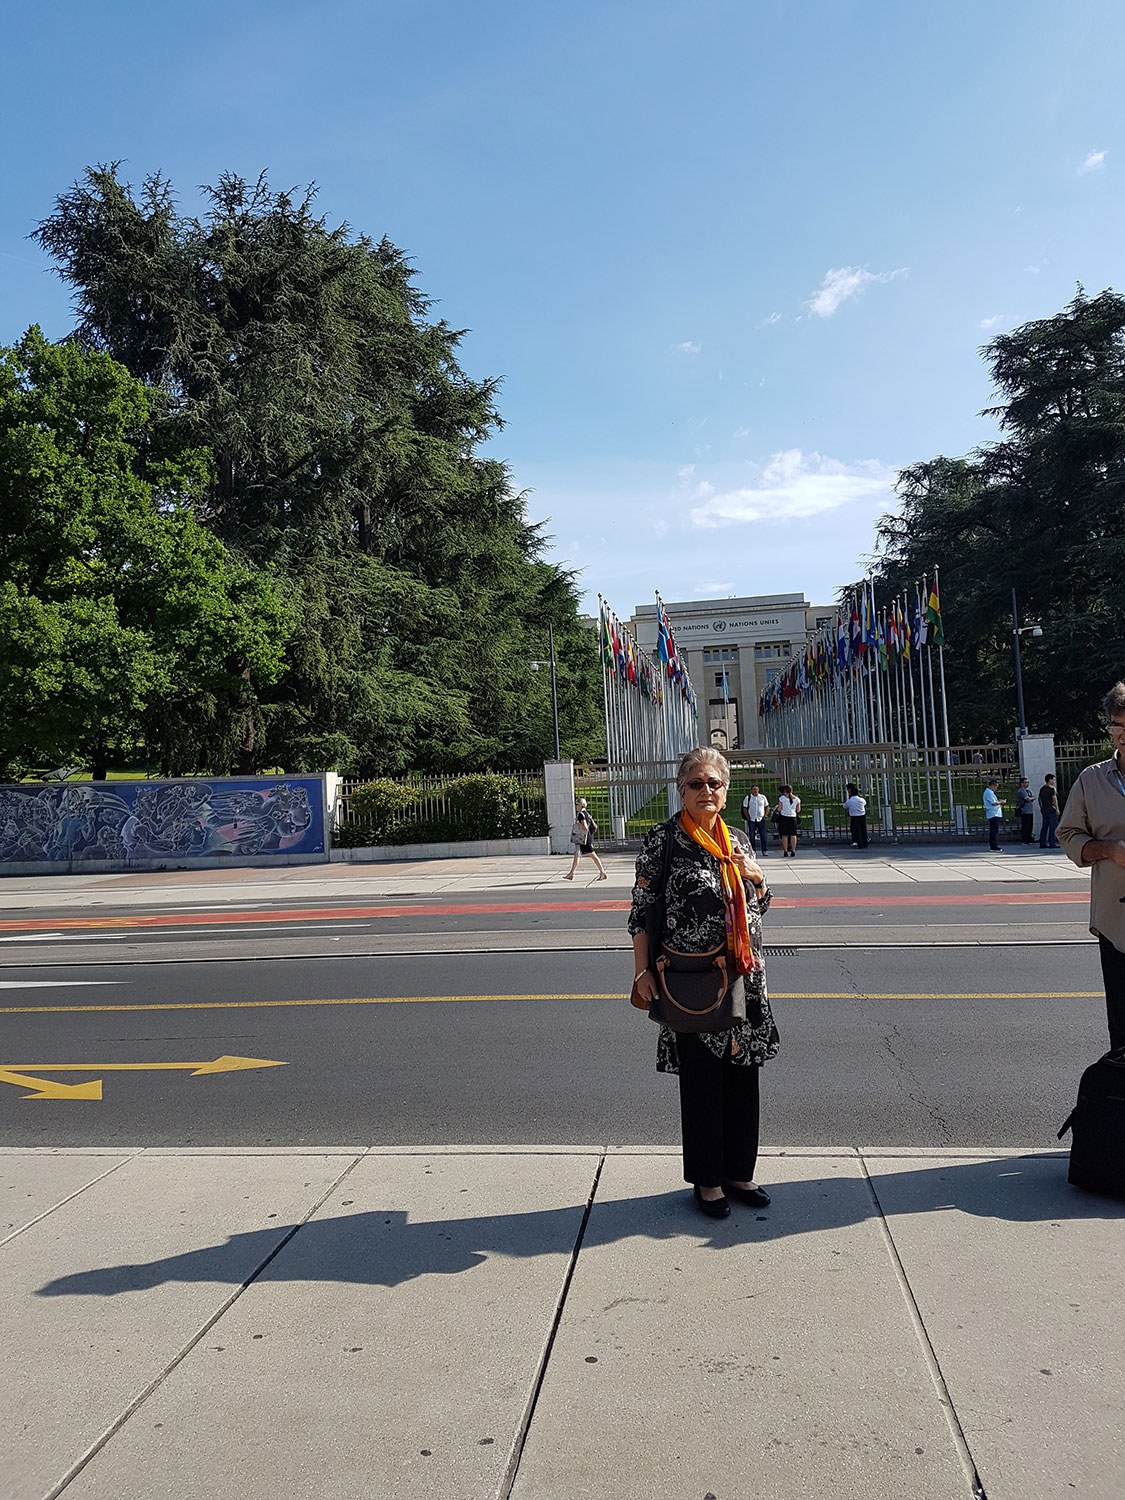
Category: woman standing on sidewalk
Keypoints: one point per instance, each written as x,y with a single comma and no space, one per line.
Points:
699,895
788,811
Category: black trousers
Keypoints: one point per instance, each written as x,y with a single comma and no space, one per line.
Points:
1113,973
859,831
718,1115
994,832
1027,822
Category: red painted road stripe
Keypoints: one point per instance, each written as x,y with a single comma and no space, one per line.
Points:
495,908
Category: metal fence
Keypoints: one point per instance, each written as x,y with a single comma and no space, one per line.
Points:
422,807
913,795
1071,759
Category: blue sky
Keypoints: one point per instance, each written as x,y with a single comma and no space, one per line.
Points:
733,260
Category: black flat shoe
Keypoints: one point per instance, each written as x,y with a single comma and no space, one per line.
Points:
756,1197
714,1208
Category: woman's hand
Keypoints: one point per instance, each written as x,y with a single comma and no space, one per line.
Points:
645,986
748,868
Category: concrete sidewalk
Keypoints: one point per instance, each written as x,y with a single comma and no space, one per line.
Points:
552,1323
814,868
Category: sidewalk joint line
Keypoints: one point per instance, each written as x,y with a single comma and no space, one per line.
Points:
957,1432
70,1197
511,1473
157,1381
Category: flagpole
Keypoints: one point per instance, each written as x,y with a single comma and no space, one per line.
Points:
944,705
933,705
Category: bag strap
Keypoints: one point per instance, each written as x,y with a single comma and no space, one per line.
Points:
667,865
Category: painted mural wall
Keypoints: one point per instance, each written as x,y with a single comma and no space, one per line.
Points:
135,821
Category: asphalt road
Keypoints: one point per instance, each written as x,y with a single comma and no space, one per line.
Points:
515,920
908,1046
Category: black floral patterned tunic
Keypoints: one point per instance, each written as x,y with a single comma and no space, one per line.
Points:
695,922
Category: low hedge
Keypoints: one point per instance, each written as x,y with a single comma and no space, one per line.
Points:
477,807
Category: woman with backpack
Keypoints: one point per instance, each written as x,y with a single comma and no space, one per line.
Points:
582,839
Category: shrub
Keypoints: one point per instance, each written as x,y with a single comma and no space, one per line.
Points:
380,810
485,806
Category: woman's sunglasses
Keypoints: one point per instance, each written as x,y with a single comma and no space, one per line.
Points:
709,782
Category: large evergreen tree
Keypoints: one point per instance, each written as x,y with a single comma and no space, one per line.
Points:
345,436
125,626
1042,510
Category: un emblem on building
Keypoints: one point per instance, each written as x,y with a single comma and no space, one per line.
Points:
718,626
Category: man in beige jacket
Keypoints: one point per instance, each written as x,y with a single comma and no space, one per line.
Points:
1092,832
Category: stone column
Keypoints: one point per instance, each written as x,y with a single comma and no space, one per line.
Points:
558,778
1037,759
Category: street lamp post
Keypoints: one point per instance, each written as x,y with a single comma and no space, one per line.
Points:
1017,630
535,665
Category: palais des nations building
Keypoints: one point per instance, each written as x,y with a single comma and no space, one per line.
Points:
745,642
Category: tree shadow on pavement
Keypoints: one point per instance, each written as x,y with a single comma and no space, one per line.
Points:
387,1247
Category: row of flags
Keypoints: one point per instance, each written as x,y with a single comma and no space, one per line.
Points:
625,660
862,635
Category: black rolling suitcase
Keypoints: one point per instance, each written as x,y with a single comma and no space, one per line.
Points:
1097,1147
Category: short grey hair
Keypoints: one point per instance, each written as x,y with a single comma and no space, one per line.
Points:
703,757
1114,700
580,804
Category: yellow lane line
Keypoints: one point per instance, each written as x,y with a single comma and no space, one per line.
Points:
46,1010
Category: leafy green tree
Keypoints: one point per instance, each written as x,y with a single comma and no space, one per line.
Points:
1042,510
122,620
346,440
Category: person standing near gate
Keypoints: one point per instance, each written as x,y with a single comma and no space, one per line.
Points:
1092,832
1049,808
1025,809
994,815
788,811
856,809
754,810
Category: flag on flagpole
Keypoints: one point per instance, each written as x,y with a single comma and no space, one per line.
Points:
870,623
607,643
919,621
933,615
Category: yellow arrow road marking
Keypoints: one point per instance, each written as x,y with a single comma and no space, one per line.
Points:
196,1069
45,1010
45,1088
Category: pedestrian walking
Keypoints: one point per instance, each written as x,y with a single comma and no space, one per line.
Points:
696,925
994,814
787,811
1025,809
1092,832
856,808
582,839
754,810
1049,813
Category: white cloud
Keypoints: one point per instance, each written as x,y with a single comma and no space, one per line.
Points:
993,322
792,485
741,432
685,472
689,346
710,589
1093,162
774,317
841,284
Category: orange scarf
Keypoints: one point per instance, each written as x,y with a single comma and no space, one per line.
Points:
734,892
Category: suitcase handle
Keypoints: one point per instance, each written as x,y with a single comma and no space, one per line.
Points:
1066,1124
